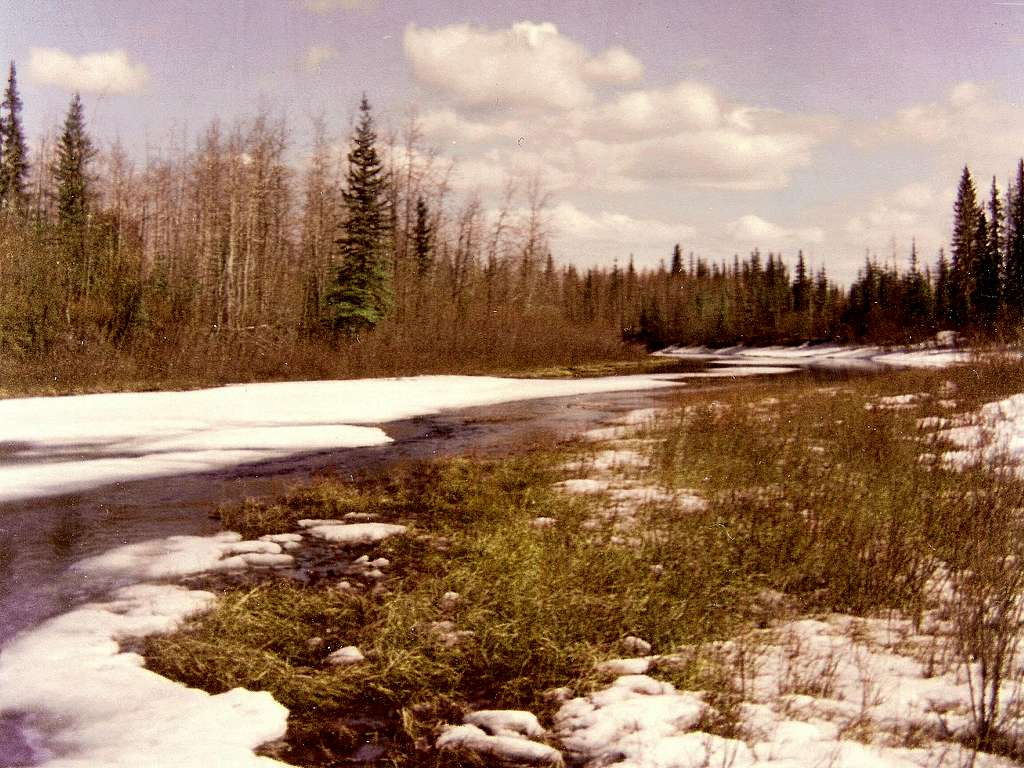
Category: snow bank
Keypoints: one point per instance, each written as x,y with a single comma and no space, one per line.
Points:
93,705
843,692
827,355
996,436
182,556
65,444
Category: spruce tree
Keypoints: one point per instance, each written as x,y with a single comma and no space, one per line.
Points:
1013,276
422,237
963,272
677,260
801,285
361,295
989,247
943,292
14,156
71,171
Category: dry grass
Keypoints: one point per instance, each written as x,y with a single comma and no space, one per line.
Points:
814,493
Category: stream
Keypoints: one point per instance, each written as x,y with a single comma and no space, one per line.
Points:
40,538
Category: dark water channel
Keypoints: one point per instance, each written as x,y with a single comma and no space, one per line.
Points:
41,538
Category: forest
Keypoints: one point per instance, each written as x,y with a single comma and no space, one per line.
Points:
219,259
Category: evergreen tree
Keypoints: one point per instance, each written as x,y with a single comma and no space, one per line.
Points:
14,154
801,285
964,244
71,170
1013,277
677,260
422,237
989,247
914,308
361,295
943,292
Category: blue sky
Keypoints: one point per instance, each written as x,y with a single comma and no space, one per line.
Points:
832,127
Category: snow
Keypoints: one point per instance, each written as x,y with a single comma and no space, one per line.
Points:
511,749
583,485
506,722
91,704
505,734
625,723
929,355
993,436
842,691
67,444
352,534
181,556
633,666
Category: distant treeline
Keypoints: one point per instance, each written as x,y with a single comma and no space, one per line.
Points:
979,291
223,260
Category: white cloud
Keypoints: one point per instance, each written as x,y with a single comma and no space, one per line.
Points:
527,65
753,230
646,113
972,125
609,234
615,66
316,57
915,210
683,133
102,72
330,6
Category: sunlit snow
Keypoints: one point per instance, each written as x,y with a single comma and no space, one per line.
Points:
57,445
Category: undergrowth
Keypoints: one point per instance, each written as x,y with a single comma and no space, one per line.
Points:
815,492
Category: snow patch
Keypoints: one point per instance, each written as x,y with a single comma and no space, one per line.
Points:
68,444
91,704
182,556
353,534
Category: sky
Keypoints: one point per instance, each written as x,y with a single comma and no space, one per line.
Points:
837,128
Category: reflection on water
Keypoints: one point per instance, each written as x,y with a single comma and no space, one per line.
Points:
65,533
41,538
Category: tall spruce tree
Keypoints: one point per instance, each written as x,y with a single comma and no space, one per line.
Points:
14,154
677,260
361,295
1013,271
989,247
71,173
964,246
422,238
943,292
801,285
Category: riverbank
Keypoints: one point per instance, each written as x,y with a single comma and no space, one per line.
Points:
791,566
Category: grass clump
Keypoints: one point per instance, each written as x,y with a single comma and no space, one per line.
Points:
816,496
537,609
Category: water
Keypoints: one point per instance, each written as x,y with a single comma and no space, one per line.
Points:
41,538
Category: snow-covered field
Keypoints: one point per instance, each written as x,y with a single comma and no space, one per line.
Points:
54,445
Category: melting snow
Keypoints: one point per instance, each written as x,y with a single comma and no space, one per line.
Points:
996,437
352,534
830,355
91,704
65,444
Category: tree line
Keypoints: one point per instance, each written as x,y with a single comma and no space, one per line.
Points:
977,291
223,257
